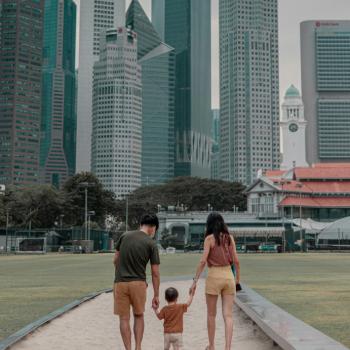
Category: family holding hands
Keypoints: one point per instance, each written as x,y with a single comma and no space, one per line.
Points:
133,252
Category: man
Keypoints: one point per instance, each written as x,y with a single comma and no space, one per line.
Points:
133,252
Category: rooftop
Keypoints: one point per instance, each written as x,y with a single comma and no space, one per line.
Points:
292,92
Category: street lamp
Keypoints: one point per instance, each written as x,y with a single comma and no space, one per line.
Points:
85,186
90,213
3,192
7,228
61,221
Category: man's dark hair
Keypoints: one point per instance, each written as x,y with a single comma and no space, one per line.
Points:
150,220
171,294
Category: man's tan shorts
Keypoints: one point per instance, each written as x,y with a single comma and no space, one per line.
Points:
220,281
174,339
128,294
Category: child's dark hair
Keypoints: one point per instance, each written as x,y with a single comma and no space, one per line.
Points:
171,294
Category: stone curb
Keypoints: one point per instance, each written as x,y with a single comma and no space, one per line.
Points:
284,329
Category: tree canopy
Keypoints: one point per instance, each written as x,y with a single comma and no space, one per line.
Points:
190,192
44,206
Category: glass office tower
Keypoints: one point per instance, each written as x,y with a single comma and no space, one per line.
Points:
325,66
58,124
186,26
20,90
157,61
249,88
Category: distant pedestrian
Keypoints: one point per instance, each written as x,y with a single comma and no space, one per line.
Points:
173,315
220,255
133,252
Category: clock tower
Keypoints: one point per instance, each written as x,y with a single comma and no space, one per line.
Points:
293,126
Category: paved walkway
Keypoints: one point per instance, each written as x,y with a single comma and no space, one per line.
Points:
93,326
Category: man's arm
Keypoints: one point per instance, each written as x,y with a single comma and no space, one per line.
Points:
156,283
116,258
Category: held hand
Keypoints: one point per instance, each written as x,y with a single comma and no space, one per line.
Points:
193,289
155,303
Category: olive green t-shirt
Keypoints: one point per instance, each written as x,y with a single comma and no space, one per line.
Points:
136,249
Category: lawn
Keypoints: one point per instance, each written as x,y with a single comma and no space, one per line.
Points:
313,287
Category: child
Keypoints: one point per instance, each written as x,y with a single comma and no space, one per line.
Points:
173,319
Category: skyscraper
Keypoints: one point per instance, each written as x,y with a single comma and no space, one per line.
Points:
58,123
186,26
325,68
117,113
249,88
157,60
20,90
215,151
95,16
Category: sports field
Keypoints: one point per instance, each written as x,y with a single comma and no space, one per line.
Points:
313,287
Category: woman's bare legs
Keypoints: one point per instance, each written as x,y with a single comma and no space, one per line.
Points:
227,313
211,311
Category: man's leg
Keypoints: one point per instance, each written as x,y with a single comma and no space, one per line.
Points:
139,327
125,331
122,309
138,291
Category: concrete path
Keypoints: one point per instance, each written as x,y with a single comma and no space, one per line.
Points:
92,326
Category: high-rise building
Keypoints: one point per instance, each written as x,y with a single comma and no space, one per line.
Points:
95,17
325,68
186,26
20,90
117,113
215,151
249,88
293,127
58,123
157,60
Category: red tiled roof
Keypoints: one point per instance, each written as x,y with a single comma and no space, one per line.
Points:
317,202
323,173
331,165
274,173
315,186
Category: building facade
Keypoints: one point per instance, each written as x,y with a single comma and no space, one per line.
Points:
320,192
157,61
117,113
95,17
293,127
20,90
185,25
326,89
58,123
249,88
215,150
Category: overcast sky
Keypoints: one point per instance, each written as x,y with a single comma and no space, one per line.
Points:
291,13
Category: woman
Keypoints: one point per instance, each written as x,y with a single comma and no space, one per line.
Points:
219,254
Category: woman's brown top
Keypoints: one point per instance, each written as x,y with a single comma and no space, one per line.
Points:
221,255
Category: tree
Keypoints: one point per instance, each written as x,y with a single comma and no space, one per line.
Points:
101,201
190,192
38,206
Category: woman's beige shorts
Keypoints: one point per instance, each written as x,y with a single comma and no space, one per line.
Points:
220,281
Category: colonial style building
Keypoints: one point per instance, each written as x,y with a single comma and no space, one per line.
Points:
320,192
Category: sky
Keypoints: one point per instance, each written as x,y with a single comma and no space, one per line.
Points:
291,13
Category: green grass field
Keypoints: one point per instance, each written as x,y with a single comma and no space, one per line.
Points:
313,287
